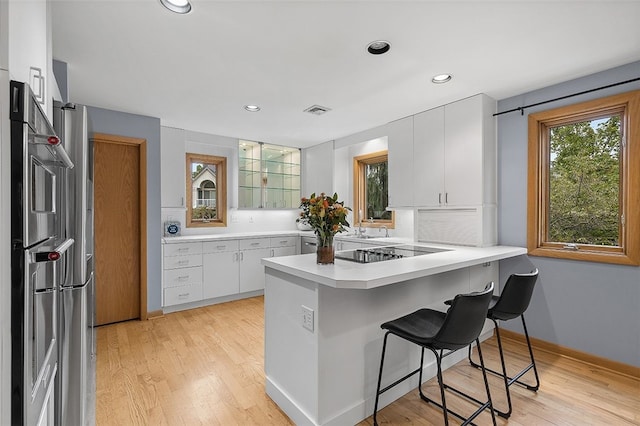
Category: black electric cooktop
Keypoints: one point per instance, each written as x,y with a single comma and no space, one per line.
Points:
379,254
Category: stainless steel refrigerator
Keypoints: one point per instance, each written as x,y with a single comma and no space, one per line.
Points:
76,390
40,251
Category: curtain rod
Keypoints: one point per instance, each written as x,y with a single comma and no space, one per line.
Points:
522,108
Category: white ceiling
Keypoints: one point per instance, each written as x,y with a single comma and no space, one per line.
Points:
197,71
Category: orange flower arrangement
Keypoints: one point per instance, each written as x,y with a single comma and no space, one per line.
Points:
326,215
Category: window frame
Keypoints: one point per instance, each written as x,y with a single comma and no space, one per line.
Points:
359,196
220,187
628,253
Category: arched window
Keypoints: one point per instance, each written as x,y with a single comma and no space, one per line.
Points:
207,194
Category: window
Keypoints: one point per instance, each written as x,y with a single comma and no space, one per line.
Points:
206,190
269,176
584,175
371,190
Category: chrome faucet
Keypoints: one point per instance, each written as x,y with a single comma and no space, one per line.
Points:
386,231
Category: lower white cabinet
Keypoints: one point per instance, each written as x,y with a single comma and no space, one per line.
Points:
182,273
197,271
283,246
251,269
221,272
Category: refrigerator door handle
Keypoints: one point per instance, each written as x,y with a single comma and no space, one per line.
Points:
55,254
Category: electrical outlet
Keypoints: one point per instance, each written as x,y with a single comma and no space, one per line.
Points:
250,219
307,318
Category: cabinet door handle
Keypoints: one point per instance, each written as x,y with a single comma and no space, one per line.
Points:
241,256
273,252
439,197
446,198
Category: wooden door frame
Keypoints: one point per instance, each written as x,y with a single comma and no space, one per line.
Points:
142,146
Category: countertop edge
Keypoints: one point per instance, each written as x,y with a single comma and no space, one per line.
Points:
411,268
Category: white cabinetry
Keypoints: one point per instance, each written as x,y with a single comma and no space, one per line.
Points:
428,153
197,273
172,163
470,152
251,269
234,266
283,246
29,50
182,277
454,154
400,159
220,268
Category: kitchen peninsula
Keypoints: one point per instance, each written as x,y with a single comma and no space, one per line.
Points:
322,325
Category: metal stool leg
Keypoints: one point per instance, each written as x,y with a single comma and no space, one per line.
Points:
375,407
508,381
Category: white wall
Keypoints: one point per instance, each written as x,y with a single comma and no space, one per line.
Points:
175,143
346,149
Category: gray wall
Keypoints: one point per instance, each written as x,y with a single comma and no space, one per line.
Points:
139,126
590,307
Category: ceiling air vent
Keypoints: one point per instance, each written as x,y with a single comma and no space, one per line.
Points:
317,109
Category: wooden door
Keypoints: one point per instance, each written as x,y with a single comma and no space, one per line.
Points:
118,228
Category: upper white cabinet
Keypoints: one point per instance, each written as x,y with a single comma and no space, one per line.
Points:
428,152
29,47
172,164
470,152
444,157
317,162
400,159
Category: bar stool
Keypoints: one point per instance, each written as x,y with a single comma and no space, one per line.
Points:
512,303
439,332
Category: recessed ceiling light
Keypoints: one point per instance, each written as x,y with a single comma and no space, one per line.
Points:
252,108
177,6
378,47
441,78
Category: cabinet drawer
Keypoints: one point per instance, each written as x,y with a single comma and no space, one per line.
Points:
182,276
220,246
182,249
283,241
254,243
174,262
182,294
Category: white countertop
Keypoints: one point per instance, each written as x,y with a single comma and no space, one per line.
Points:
232,236
352,275
243,235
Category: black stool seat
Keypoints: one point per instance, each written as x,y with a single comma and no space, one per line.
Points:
419,327
439,331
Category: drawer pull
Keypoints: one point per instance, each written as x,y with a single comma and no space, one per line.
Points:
283,242
183,278
183,249
183,295
221,247
255,244
183,262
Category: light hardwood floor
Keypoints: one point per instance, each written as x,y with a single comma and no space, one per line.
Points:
205,367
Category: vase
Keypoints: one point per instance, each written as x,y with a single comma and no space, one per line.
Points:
324,253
